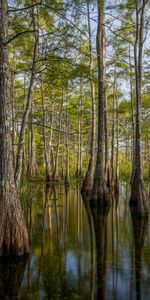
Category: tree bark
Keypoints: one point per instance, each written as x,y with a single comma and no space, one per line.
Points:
19,159
13,232
100,191
138,196
88,181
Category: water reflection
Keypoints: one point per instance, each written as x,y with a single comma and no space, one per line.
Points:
11,276
100,218
140,227
82,253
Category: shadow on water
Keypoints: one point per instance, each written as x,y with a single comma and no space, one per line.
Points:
140,228
11,276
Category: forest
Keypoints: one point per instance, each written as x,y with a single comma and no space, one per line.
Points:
74,149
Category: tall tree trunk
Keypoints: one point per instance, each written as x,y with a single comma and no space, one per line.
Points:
79,154
67,177
100,191
32,167
18,169
131,96
107,167
113,133
12,101
88,181
13,232
117,147
46,152
55,173
138,196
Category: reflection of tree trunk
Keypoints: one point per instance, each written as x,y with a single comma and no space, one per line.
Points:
92,245
140,227
11,276
100,228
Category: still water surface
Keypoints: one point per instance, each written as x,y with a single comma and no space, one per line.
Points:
77,253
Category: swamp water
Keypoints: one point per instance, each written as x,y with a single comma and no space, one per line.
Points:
77,253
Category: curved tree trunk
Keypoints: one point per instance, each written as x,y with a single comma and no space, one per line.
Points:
13,232
19,159
100,191
88,181
138,196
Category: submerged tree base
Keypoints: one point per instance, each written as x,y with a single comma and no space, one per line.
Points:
138,198
13,231
100,194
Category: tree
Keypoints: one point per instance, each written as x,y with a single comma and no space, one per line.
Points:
138,195
88,181
19,159
13,232
100,191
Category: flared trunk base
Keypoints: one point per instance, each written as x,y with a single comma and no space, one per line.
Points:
100,194
13,231
138,198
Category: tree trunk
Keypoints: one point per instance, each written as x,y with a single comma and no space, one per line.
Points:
88,181
131,96
46,156
12,101
116,187
13,232
32,167
79,154
67,177
113,133
18,169
107,167
100,191
138,196
55,173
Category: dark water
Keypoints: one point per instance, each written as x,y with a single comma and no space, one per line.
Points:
77,253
